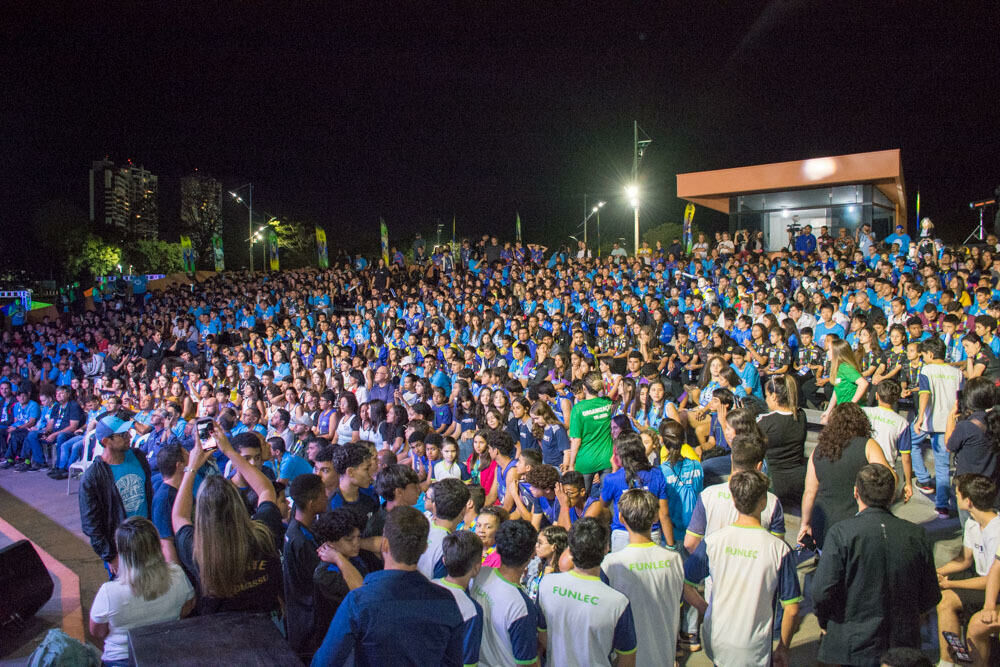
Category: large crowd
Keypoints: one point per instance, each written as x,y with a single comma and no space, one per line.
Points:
502,454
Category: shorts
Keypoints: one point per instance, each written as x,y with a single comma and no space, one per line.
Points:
972,599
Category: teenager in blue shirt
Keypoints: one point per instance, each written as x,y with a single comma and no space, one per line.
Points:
367,623
634,472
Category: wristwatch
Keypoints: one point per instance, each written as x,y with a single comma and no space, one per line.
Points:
190,469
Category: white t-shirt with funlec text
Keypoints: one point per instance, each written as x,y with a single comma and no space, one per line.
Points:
586,620
749,568
715,510
510,620
942,382
116,605
983,542
652,578
889,430
431,563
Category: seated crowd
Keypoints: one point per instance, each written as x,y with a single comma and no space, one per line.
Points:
532,458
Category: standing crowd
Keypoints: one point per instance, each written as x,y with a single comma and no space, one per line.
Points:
534,457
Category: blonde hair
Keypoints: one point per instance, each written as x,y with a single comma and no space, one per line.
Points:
225,538
841,352
141,566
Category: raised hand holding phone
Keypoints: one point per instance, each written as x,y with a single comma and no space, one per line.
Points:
206,434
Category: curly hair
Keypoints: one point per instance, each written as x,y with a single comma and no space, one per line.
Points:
542,477
847,421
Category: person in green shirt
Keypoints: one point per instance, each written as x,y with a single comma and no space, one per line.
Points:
848,384
590,431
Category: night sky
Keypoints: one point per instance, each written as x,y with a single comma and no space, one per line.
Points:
340,113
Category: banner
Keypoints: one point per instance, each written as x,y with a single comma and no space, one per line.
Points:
688,239
517,227
272,249
384,232
187,254
322,258
220,258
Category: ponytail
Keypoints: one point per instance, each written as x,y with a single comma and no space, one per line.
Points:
786,392
792,387
632,455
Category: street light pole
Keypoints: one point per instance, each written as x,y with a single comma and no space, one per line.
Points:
250,223
638,148
249,205
598,233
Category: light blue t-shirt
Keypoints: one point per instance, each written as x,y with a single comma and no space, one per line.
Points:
130,480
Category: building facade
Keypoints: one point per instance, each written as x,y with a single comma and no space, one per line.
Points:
124,199
840,192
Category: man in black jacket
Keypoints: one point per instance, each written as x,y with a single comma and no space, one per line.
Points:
875,578
117,485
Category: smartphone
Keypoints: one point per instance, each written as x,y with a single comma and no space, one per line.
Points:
957,647
205,434
958,398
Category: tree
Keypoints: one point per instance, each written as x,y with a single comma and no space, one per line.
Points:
60,228
296,243
94,257
149,256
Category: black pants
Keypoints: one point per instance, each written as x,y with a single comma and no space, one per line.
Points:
809,393
588,479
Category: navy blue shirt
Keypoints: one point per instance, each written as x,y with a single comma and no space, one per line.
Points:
368,622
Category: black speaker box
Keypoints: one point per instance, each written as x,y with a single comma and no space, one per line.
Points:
25,584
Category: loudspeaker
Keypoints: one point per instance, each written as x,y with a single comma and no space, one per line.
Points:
25,584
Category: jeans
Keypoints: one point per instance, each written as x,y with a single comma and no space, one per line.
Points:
68,450
588,482
689,615
942,467
15,442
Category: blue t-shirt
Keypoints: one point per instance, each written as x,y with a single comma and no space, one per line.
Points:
291,467
442,415
163,505
614,485
555,442
821,330
130,480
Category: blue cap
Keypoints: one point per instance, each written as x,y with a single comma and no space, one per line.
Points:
109,425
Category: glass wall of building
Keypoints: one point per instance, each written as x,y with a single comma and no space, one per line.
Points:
779,214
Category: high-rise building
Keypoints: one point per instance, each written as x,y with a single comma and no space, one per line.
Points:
124,199
201,208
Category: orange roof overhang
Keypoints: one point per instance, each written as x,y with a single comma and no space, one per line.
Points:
713,189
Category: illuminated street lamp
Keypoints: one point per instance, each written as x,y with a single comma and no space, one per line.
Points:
249,205
632,192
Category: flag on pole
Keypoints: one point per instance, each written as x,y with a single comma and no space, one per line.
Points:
518,227
454,245
217,253
322,256
272,249
688,237
918,209
384,233
187,254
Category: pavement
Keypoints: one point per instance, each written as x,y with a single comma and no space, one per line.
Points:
38,508
945,535
34,507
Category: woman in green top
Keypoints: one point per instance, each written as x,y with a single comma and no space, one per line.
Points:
849,386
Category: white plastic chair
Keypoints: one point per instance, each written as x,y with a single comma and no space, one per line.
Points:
90,451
